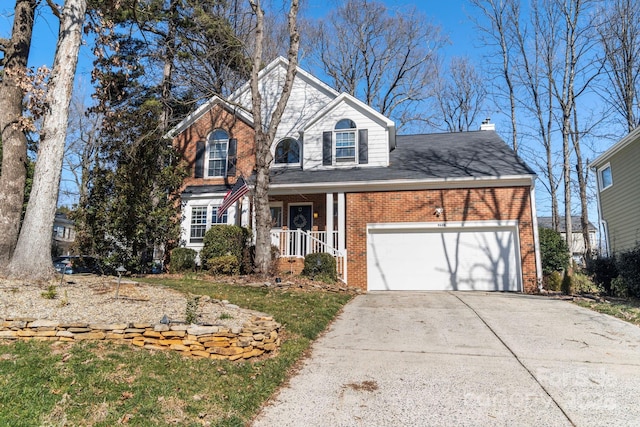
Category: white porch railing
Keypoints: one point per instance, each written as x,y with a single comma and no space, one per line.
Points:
299,243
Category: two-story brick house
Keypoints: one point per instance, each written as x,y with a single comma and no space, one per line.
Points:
399,212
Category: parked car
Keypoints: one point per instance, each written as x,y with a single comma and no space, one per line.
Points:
76,264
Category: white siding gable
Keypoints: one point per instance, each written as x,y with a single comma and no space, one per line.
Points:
378,135
308,96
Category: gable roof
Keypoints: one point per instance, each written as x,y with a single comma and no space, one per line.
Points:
283,63
345,98
627,140
438,157
232,104
545,222
203,109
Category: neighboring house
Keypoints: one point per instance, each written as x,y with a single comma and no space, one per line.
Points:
618,176
64,234
578,247
452,211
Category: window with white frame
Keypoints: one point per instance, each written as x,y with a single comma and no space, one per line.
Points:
217,153
276,215
198,224
287,152
215,219
606,179
345,141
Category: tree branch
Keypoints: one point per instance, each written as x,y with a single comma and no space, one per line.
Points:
55,9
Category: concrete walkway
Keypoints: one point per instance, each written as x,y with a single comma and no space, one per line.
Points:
474,359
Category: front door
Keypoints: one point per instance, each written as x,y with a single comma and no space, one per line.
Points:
300,218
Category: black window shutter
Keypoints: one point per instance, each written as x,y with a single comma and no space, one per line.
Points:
363,146
326,148
199,163
232,157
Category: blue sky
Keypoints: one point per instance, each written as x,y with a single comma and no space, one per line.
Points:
451,16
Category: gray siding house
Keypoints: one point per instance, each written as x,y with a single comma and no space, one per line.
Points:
618,176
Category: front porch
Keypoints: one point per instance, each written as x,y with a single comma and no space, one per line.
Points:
306,224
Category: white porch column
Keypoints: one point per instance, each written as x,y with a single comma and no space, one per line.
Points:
244,211
341,222
329,216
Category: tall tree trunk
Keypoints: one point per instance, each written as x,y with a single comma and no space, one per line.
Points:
32,256
264,136
582,173
12,137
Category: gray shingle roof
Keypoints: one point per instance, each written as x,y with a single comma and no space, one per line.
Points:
545,222
440,155
475,154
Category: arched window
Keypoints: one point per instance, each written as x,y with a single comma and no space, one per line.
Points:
217,153
287,151
345,137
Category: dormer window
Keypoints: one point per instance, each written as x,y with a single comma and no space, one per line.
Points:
345,137
345,145
287,152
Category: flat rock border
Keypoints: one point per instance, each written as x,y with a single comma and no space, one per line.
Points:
256,337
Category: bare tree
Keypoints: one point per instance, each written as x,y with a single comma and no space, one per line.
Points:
81,148
386,59
265,128
619,34
498,33
12,131
32,256
536,66
576,40
460,95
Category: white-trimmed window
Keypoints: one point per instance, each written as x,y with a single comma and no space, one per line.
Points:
345,141
198,224
202,218
215,219
276,215
606,179
217,153
287,152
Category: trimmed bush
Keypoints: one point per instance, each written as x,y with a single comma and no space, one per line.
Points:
222,240
182,259
603,270
321,266
553,250
226,264
628,264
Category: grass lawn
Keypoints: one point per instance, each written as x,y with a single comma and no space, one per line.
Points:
628,310
104,384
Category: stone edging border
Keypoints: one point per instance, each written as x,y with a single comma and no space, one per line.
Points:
258,336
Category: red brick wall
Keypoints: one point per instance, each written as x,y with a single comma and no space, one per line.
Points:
474,204
216,118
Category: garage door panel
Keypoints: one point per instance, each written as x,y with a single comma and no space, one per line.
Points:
442,260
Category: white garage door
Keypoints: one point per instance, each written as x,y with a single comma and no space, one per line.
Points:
428,257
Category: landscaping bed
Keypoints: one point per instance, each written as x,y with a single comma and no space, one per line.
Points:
99,383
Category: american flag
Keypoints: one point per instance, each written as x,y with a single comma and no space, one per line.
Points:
238,190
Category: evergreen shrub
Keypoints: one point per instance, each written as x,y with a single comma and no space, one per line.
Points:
321,266
182,259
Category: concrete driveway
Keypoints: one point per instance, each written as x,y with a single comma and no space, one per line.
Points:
456,358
